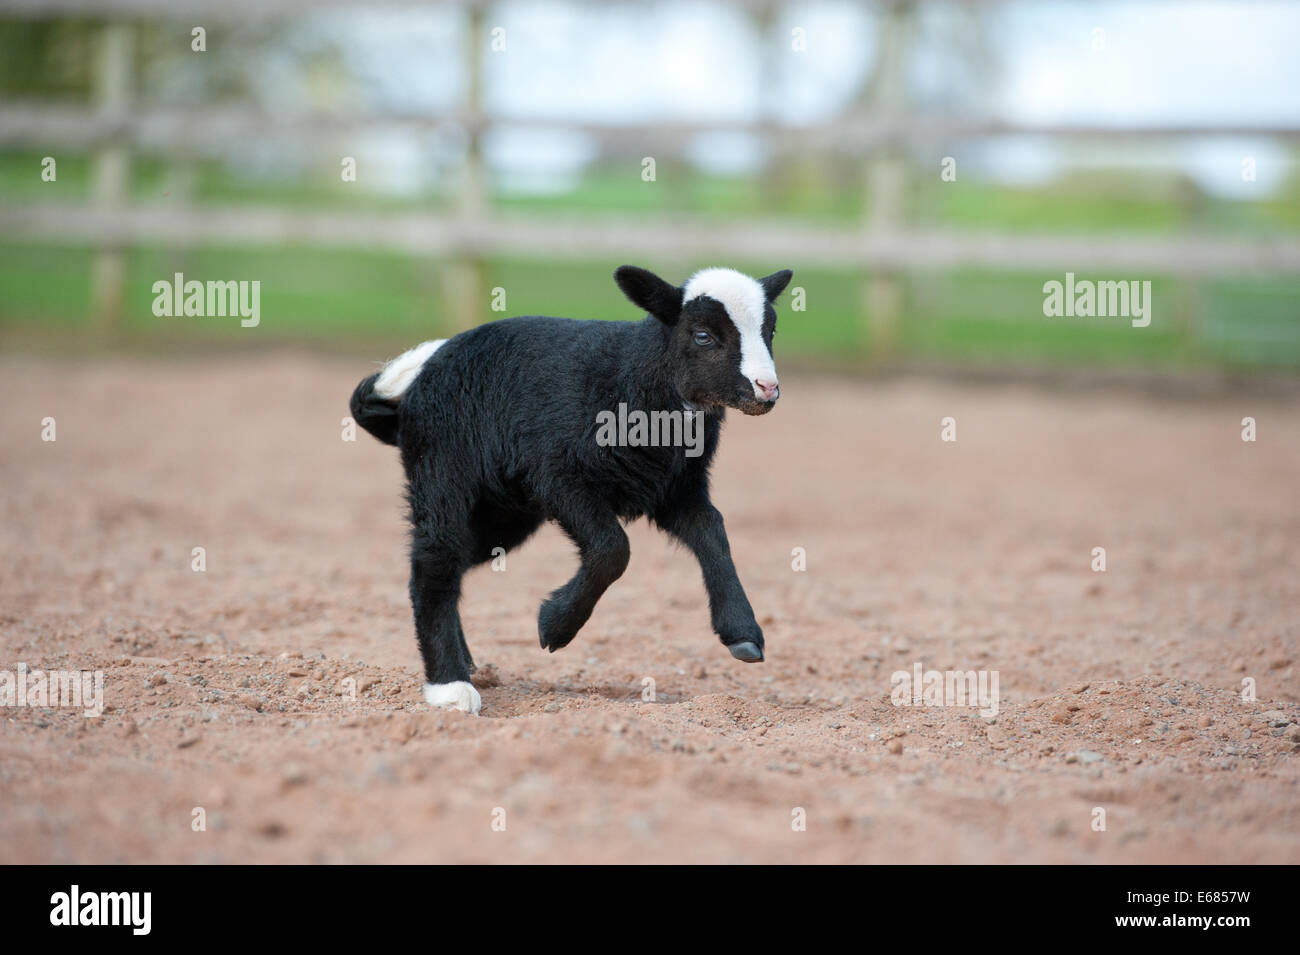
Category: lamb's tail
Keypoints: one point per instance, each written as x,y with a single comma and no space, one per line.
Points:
377,400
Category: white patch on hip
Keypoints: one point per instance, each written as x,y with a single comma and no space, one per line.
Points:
402,370
453,696
745,302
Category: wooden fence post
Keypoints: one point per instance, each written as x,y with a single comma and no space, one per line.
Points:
111,177
886,181
465,276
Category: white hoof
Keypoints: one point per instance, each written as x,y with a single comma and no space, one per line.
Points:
453,696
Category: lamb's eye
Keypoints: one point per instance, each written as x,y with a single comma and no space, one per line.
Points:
702,337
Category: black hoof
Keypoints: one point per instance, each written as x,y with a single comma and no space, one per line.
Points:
748,651
552,643
552,633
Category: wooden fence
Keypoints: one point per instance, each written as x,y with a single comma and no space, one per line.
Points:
882,246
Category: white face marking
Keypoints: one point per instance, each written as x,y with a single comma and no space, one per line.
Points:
745,302
402,370
454,696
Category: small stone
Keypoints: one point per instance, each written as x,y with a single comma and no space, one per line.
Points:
895,747
402,730
272,829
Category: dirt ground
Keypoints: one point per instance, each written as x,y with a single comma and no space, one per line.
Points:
231,734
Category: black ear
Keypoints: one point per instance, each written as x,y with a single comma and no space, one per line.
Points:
774,284
650,292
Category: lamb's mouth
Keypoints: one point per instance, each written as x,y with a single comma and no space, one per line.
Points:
754,407
745,404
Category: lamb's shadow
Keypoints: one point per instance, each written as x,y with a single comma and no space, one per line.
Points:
525,697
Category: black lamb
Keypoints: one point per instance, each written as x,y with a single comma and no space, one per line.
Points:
511,424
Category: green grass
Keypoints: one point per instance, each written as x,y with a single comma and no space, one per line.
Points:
383,300
386,301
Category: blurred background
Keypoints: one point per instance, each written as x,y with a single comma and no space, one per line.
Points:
924,167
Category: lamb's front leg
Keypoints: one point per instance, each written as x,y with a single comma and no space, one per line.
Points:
699,526
604,551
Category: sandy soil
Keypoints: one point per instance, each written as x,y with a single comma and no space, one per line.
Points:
228,689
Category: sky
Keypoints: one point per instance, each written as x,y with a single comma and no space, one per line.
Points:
1120,63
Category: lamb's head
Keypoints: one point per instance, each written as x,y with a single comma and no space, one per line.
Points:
721,325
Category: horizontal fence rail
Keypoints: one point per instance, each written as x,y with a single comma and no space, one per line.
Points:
210,127
227,10
667,238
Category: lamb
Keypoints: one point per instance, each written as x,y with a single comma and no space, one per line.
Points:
497,429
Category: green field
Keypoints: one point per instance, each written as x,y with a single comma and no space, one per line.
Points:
353,298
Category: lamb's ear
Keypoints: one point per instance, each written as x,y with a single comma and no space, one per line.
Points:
774,284
649,291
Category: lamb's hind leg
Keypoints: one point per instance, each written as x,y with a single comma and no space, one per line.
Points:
604,551
437,565
464,647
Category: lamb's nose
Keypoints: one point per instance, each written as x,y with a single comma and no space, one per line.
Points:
767,390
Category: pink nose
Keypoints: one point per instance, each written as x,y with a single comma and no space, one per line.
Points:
768,390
